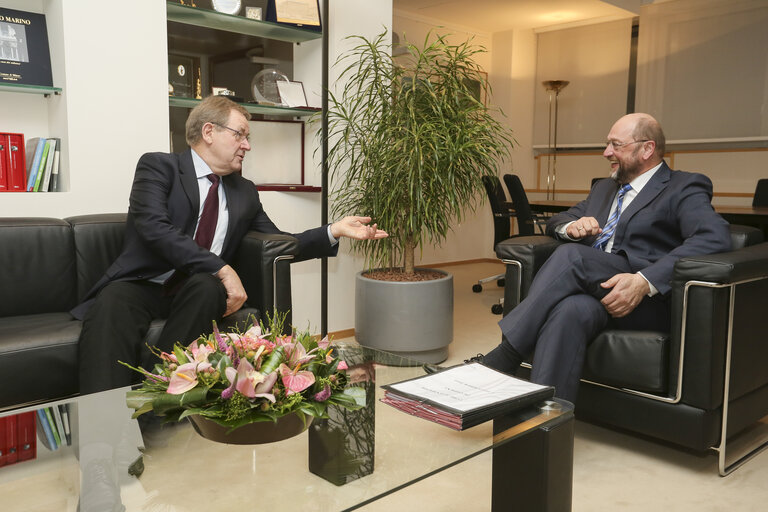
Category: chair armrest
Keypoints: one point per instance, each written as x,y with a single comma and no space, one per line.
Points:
528,254
726,267
709,325
263,263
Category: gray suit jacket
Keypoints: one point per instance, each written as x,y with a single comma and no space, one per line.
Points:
162,217
672,217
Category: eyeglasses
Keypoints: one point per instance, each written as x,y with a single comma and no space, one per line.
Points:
239,136
619,145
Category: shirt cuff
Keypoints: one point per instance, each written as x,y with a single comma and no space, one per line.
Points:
653,291
331,238
562,231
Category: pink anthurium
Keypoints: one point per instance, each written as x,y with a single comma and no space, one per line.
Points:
324,343
295,381
342,366
183,379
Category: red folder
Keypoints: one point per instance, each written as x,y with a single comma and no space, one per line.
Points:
26,436
3,163
17,164
11,448
3,444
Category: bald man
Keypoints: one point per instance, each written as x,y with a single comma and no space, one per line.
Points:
624,241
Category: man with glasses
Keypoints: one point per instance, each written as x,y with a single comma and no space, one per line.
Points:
187,215
626,237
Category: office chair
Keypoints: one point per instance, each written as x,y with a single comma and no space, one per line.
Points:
761,193
502,212
527,221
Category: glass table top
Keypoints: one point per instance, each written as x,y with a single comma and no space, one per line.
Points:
342,463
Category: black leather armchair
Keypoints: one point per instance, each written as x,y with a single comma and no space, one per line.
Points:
695,386
48,265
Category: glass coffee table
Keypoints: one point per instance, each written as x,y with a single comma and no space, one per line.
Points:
342,463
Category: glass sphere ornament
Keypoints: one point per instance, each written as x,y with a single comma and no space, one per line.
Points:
264,86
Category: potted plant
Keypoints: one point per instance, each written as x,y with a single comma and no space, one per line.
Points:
409,142
250,387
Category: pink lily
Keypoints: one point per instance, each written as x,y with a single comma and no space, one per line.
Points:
295,381
342,366
249,382
324,343
296,354
200,353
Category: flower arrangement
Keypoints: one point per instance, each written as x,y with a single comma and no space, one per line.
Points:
238,378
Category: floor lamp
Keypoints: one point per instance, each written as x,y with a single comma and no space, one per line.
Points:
553,87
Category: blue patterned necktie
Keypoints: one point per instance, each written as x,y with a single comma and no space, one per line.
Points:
610,226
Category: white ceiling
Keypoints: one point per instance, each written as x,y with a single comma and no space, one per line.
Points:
489,16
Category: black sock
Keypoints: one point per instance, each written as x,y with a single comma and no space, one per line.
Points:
503,358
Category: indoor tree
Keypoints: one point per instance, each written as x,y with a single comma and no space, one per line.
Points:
409,142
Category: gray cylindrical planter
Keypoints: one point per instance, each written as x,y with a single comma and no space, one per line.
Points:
412,319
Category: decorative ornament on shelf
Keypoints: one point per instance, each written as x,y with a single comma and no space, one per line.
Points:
553,87
247,387
227,6
264,86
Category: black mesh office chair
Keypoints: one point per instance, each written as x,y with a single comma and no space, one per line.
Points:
502,212
527,221
761,193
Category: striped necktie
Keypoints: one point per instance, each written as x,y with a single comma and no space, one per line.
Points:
610,226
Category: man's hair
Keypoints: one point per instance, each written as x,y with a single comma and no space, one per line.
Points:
647,128
213,109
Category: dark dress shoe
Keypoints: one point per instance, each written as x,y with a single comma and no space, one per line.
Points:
432,368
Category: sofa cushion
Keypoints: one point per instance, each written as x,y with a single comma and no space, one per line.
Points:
38,266
98,242
38,357
629,359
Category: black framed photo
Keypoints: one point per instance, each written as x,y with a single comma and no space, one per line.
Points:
24,54
183,76
298,13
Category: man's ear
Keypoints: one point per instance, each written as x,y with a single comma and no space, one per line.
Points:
207,133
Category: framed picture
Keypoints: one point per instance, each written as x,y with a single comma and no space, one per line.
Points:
476,89
277,153
24,54
299,13
292,94
183,76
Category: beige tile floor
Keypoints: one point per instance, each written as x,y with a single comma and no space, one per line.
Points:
613,471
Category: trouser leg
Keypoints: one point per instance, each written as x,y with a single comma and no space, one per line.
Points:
559,355
113,330
572,269
201,300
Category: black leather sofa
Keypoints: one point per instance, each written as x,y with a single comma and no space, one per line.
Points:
673,385
47,266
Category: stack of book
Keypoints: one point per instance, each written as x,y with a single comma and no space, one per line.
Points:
463,396
53,426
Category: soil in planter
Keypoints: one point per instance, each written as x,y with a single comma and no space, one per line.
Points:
399,275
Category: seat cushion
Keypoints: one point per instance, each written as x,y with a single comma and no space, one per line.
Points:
629,359
38,357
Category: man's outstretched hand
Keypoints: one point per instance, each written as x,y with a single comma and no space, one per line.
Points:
357,228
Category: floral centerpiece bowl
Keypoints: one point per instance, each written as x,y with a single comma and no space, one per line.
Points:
247,387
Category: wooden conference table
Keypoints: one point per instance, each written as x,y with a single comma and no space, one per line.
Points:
756,216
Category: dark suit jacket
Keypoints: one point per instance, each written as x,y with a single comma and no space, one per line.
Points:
162,216
672,217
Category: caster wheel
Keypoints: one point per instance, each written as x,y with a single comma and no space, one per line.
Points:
497,309
500,283
477,288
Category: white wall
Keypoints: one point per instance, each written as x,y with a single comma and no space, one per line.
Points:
109,57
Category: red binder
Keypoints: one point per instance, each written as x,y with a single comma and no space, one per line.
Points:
17,163
12,162
3,162
11,444
3,444
26,438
